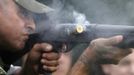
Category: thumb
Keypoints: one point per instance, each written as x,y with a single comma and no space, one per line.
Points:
113,40
35,53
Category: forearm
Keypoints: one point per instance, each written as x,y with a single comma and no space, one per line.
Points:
82,66
79,69
28,70
28,67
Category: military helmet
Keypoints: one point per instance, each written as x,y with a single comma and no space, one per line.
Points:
34,6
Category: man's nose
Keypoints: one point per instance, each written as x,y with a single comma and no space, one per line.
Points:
30,26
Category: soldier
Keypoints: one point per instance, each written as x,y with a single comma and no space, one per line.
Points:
16,24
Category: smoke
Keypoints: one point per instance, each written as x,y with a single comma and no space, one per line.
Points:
80,18
117,12
106,11
64,13
92,11
85,12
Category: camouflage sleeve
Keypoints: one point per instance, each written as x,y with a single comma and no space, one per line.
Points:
2,71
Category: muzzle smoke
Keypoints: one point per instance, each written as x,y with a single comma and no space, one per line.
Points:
64,13
96,11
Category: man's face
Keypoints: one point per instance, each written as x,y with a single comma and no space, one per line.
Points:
14,27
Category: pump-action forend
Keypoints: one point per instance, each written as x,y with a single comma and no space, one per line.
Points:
79,33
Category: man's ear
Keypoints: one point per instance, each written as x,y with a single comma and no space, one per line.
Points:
107,69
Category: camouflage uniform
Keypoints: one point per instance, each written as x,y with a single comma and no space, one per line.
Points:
2,71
